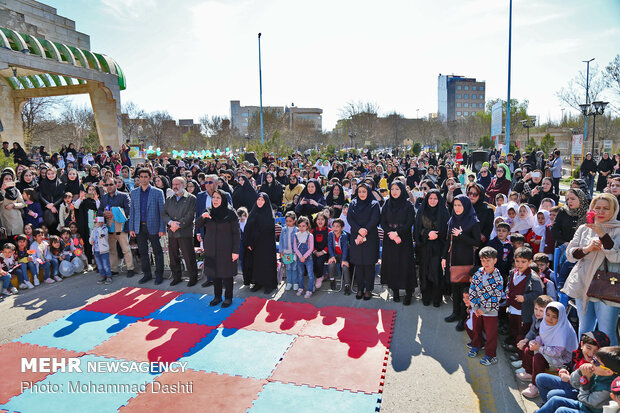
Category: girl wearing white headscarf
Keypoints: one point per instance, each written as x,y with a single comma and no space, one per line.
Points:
536,236
524,221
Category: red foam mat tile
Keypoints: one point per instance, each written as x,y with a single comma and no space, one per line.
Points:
369,326
12,377
325,362
260,314
133,302
209,392
153,340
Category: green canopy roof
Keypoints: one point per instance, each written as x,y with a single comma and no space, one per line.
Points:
10,39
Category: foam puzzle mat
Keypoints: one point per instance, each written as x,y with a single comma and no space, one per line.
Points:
142,349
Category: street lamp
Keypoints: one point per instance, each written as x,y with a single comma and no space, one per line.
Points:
594,109
527,124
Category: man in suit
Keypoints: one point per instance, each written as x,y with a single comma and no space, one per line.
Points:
179,217
147,225
114,198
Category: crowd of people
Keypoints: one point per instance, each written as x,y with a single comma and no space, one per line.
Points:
499,242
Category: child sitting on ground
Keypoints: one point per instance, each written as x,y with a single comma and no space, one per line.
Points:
33,213
485,293
542,301
550,385
43,257
613,407
553,347
593,381
287,254
101,250
78,244
8,261
25,263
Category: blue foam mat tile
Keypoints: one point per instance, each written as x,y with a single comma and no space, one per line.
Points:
282,397
235,352
194,308
86,399
79,331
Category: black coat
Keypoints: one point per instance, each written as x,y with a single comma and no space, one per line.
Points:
366,253
275,192
462,250
429,252
260,262
244,196
605,165
537,199
563,228
485,215
220,240
397,262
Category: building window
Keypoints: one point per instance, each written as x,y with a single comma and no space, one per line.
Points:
481,96
465,96
473,97
466,87
458,105
466,113
458,96
458,87
458,113
473,88
481,87
466,105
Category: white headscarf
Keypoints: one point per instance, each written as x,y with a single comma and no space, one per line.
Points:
541,229
523,225
495,222
560,335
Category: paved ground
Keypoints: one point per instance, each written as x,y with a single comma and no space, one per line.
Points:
428,371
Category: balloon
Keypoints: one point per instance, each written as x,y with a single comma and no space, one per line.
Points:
66,269
77,264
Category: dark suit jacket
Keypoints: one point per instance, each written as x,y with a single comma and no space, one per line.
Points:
155,210
181,211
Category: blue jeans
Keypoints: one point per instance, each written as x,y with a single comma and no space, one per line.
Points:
300,273
558,404
292,272
589,179
49,267
6,281
103,264
605,315
550,385
24,267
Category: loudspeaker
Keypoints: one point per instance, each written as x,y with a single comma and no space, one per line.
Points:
251,157
477,159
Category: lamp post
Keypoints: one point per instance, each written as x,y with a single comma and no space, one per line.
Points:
260,82
527,124
594,109
585,128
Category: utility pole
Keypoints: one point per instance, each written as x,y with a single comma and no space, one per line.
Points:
260,82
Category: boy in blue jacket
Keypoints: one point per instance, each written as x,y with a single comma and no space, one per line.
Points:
338,248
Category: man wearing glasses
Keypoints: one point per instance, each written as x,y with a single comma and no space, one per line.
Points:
114,207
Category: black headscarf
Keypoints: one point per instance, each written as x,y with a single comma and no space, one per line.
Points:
261,213
358,206
282,179
339,200
316,196
434,218
244,195
467,219
73,186
223,213
10,193
292,186
225,187
196,187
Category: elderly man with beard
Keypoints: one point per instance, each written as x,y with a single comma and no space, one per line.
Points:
179,210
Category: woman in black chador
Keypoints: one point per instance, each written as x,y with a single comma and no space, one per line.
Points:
259,241
431,229
397,264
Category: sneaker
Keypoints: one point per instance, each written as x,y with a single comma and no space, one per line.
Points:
514,357
57,278
29,285
108,280
318,283
468,345
5,292
13,290
308,294
300,291
49,281
488,360
520,370
23,286
516,364
332,284
531,392
473,352
101,280
36,281
295,286
288,286
524,376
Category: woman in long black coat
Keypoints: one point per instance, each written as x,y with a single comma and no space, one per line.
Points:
463,240
363,217
431,233
244,195
51,192
259,241
397,263
88,201
605,168
221,245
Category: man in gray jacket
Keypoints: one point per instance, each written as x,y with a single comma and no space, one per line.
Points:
179,210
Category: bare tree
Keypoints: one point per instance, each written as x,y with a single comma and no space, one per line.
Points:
132,121
34,114
156,130
218,131
362,121
79,120
574,93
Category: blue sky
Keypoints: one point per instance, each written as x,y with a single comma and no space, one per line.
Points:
192,57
